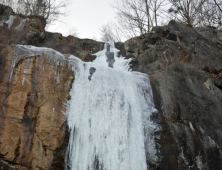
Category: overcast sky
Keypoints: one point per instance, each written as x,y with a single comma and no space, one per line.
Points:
87,16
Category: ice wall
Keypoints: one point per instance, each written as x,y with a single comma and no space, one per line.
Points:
109,116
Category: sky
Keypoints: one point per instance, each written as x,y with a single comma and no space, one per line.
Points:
87,17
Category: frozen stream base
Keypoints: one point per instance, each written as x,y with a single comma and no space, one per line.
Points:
109,116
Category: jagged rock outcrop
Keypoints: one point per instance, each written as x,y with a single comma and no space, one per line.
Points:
82,48
34,90
185,69
19,29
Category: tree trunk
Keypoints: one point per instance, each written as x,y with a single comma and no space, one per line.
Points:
148,15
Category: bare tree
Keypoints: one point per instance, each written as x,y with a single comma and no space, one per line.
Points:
212,13
73,32
156,7
147,13
133,12
197,12
218,4
153,8
134,17
138,17
49,9
109,33
187,10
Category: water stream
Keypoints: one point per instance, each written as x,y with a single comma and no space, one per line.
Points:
109,115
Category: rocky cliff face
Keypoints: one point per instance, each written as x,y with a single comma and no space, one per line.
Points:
34,91
185,70
32,105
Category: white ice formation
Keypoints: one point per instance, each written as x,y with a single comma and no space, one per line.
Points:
109,111
28,52
21,26
109,115
9,22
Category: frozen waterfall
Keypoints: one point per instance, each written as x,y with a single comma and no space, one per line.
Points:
109,115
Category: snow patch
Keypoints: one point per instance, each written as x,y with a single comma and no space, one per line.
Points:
10,21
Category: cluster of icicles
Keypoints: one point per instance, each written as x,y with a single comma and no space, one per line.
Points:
109,116
109,111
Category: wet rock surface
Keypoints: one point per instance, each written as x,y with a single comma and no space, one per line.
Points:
185,69
92,70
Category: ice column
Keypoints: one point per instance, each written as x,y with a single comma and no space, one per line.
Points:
109,116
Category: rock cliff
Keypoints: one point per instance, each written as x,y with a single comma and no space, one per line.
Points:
34,91
185,70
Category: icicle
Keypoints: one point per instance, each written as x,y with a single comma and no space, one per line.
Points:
23,80
10,21
53,111
40,61
21,26
28,63
58,79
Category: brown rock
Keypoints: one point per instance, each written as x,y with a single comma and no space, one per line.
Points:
33,129
32,119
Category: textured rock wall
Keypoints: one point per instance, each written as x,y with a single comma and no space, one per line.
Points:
82,48
185,70
33,126
19,29
33,131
